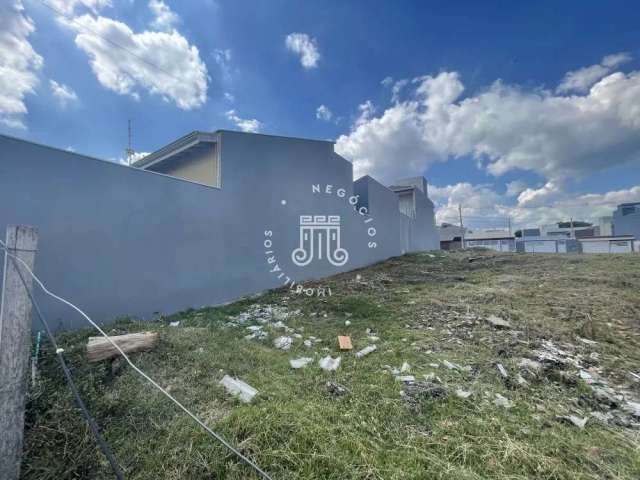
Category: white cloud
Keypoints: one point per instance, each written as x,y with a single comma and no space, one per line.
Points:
503,127
306,47
134,158
534,197
163,17
19,63
246,125
582,79
64,94
483,208
324,113
68,7
163,63
229,97
223,59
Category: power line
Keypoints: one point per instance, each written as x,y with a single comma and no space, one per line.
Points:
108,40
138,370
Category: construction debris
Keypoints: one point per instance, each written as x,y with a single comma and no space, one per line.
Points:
238,388
283,343
415,393
99,348
329,364
498,322
501,401
405,378
405,368
366,351
344,342
572,420
300,362
502,370
336,389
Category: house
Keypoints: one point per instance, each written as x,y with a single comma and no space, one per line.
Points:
571,229
206,219
626,219
608,244
451,236
499,240
605,226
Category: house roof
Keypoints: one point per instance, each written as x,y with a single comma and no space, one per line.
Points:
178,147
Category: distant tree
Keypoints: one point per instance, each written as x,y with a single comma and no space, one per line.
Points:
518,234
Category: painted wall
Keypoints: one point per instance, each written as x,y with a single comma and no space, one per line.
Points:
628,224
201,166
119,241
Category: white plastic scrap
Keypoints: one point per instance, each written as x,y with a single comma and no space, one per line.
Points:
502,370
329,364
307,343
238,388
463,393
366,351
174,324
406,378
283,343
577,421
501,401
300,362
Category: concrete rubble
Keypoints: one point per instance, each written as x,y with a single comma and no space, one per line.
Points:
366,351
329,364
498,322
243,391
300,362
283,343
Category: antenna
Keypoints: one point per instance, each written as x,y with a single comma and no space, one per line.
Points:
129,150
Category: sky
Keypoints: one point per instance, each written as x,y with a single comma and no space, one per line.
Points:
528,111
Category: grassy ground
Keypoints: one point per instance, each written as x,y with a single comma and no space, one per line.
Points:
426,308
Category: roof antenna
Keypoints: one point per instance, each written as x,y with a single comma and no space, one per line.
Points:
129,151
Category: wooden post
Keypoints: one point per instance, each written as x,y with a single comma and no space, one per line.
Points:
15,342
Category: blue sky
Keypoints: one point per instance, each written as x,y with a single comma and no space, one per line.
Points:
529,110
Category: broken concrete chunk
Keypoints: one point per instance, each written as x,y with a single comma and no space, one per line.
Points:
336,389
283,343
329,364
501,401
572,420
405,378
531,365
238,388
502,370
498,322
462,393
366,351
300,362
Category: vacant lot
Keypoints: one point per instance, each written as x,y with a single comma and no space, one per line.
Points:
575,319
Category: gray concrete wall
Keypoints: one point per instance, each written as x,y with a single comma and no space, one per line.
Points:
121,241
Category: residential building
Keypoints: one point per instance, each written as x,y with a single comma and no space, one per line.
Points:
575,229
451,236
605,225
626,219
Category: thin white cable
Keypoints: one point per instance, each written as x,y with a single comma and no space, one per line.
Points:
138,370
